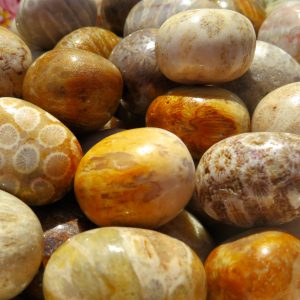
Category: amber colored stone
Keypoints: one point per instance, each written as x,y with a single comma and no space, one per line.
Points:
263,266
200,116
140,177
80,88
124,264
97,40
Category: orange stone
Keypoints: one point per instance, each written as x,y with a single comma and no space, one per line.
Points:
263,266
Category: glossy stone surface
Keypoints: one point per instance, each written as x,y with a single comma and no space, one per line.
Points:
15,60
281,28
205,46
114,13
60,221
254,10
21,245
251,179
42,23
135,58
80,88
200,116
124,263
271,68
38,154
153,13
272,5
93,39
186,228
279,110
141,177
262,266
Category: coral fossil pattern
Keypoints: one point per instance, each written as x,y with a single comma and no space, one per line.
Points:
38,154
252,178
124,263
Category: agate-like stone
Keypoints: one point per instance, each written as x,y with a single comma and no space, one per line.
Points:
186,228
261,266
42,23
205,46
251,179
153,13
114,14
200,116
124,263
271,68
279,110
21,245
38,154
93,39
80,88
141,177
15,59
135,58
281,28
60,221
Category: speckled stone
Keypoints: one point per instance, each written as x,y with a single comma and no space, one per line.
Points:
93,39
186,228
200,116
42,23
21,245
140,177
251,179
263,266
38,154
78,87
153,13
15,59
135,58
60,221
205,46
279,110
271,68
272,5
281,28
114,14
124,263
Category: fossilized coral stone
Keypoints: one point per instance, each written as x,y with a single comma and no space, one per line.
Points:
124,263
15,59
141,177
38,154
205,46
251,179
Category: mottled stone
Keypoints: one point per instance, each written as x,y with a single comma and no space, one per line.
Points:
281,28
186,228
263,266
272,5
21,245
143,81
279,110
60,221
251,179
38,154
200,116
271,68
114,14
124,263
15,59
93,39
141,177
42,23
153,13
78,87
205,46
